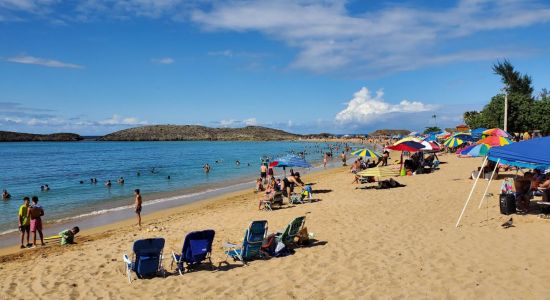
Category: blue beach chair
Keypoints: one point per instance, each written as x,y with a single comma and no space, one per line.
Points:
197,248
147,258
252,242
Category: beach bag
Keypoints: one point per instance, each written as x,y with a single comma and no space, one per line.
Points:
269,244
507,186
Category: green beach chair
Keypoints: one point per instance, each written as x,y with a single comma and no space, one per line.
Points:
291,231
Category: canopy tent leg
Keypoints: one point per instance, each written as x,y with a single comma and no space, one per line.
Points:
471,192
487,188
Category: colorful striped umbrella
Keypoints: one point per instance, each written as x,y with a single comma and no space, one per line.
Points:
496,132
495,141
453,142
379,172
410,146
408,139
475,150
366,153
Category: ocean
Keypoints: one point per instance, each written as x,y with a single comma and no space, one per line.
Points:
25,167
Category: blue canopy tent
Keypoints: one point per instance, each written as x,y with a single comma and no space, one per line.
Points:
528,154
534,153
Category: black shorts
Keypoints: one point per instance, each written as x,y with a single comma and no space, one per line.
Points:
25,228
138,210
263,174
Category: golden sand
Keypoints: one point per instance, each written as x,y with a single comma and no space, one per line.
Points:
372,244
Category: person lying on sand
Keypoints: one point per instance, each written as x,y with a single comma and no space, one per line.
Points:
67,236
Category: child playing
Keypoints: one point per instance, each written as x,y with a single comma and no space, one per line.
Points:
67,236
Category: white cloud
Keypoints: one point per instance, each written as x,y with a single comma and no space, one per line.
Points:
116,120
163,61
31,60
365,108
326,35
329,38
250,122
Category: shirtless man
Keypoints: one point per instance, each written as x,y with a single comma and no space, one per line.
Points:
138,206
289,182
263,172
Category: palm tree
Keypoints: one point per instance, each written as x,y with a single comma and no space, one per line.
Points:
512,79
435,120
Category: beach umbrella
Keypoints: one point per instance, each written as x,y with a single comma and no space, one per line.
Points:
379,172
430,146
291,161
431,137
478,132
496,132
464,136
408,139
453,142
366,153
495,141
410,146
475,150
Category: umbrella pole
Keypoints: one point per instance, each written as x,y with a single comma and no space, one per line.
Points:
401,163
488,184
471,192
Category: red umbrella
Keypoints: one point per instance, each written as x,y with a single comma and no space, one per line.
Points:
410,146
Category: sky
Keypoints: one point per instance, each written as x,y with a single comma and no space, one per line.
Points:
96,66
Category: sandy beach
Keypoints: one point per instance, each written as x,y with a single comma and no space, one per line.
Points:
371,244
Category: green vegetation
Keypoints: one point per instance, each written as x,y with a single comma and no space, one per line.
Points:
433,129
525,112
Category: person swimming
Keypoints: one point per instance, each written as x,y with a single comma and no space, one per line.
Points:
206,168
6,195
108,183
120,180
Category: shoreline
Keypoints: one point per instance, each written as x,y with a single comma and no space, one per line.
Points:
96,223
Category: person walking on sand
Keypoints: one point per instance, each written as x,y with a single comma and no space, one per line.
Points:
138,206
35,213
325,160
24,222
344,159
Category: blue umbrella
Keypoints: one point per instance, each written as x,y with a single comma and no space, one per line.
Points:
291,161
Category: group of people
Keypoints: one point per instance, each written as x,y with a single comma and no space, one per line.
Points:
531,184
30,221
273,186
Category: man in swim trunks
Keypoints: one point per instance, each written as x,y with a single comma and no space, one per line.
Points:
35,213
24,221
263,172
138,206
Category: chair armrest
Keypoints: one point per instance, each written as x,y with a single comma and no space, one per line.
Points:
126,259
229,245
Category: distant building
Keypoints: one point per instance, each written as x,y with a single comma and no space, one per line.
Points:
462,128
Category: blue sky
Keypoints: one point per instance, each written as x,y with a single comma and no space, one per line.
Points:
94,66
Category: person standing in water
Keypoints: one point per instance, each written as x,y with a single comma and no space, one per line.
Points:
137,204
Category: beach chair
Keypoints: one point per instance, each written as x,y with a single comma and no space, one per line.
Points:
287,236
252,243
147,258
197,247
296,198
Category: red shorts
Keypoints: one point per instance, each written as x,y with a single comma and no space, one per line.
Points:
36,224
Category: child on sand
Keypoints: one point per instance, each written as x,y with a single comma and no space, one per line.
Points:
35,213
67,236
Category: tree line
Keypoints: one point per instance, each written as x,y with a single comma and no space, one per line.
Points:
526,112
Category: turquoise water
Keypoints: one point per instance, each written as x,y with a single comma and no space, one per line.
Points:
26,166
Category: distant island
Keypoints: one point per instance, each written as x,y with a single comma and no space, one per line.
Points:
9,136
199,133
